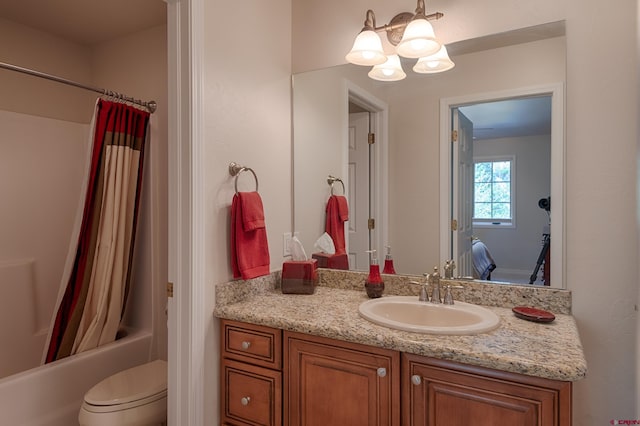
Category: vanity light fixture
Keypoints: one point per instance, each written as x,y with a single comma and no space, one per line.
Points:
412,36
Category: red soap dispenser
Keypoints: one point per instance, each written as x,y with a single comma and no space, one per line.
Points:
374,285
388,263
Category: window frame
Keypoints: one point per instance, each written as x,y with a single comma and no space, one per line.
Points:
494,222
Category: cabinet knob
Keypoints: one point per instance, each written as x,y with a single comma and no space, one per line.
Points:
246,345
416,380
382,372
245,400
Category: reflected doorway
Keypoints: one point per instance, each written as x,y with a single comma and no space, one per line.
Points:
497,196
367,177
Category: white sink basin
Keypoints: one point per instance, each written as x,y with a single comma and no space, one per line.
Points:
409,314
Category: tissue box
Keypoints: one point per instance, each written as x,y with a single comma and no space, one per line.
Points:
299,277
332,261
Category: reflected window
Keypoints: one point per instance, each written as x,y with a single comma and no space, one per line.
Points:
493,192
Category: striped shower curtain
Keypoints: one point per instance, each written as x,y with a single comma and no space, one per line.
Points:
97,274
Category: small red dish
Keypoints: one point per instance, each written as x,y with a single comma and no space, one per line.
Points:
533,314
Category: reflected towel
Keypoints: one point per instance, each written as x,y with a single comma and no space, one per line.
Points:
249,247
337,215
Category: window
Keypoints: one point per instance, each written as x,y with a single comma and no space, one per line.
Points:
493,191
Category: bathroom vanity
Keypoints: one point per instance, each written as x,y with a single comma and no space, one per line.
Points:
311,359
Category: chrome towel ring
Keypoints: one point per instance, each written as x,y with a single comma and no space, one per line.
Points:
331,180
235,169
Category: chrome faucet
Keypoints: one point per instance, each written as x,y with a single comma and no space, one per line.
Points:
449,266
434,282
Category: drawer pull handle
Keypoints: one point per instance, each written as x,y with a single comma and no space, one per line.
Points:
416,380
245,400
246,345
382,372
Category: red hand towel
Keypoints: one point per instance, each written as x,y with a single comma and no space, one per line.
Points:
337,214
249,247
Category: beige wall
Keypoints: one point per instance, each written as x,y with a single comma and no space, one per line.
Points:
34,49
246,94
601,166
601,259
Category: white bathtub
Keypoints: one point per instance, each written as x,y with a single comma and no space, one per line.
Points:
51,395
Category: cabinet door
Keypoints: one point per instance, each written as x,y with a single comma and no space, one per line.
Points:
252,395
337,383
440,393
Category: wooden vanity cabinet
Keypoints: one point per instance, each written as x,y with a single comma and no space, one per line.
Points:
271,377
250,375
329,382
443,393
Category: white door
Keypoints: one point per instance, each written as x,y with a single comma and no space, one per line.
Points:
462,208
358,192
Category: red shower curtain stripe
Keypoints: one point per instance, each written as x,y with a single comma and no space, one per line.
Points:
115,124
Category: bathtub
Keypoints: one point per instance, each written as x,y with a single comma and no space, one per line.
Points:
51,395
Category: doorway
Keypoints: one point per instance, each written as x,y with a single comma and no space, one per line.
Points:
520,134
367,182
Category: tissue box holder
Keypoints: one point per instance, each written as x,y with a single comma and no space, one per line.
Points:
332,261
299,277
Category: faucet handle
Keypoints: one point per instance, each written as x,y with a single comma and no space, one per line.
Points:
449,266
448,297
424,297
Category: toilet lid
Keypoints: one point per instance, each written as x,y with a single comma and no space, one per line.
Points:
130,385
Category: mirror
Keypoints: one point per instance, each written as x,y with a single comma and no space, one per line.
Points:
410,165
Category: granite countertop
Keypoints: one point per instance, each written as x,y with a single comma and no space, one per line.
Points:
547,350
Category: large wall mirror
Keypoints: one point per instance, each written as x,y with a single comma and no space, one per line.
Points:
411,183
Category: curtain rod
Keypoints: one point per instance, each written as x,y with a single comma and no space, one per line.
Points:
150,105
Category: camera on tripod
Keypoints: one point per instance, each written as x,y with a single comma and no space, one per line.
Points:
545,203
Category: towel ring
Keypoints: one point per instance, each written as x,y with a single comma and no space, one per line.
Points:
235,169
332,179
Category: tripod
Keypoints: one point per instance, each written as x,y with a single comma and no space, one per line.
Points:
546,241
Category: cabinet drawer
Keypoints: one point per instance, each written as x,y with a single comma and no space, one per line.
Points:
251,395
251,343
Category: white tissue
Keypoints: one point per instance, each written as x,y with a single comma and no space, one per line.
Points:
297,250
325,244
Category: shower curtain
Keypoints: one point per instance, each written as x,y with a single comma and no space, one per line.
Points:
96,279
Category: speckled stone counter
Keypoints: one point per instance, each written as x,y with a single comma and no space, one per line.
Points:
550,350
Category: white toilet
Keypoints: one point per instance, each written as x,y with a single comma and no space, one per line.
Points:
133,397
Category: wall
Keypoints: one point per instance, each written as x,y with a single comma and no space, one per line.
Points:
601,134
600,174
247,116
31,48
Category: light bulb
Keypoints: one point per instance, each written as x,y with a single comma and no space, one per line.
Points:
418,40
437,62
367,49
391,70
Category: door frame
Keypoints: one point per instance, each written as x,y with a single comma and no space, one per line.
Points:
556,91
186,310
379,164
